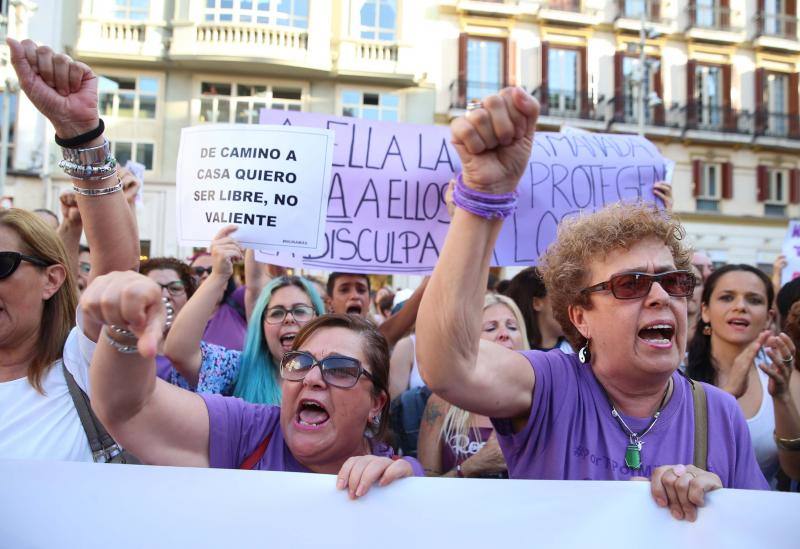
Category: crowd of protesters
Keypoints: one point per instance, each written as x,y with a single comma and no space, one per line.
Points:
621,344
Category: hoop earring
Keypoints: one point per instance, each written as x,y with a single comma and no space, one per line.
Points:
707,330
585,355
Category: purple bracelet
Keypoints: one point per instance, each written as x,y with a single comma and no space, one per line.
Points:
486,205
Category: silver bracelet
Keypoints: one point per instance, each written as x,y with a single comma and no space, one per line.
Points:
116,345
99,192
89,172
170,314
88,163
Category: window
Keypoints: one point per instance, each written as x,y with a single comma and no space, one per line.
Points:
241,103
128,97
281,13
708,95
132,10
631,88
777,192
563,78
635,8
485,67
379,20
706,14
777,107
371,105
710,187
140,152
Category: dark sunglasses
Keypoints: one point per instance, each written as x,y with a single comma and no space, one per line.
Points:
9,262
337,370
199,271
635,285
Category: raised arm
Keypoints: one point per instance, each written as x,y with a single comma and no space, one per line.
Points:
494,143
65,92
398,325
71,228
256,276
159,423
183,341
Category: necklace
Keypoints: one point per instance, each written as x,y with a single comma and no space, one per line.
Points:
633,452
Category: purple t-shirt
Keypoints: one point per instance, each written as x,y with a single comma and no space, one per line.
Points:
571,435
228,328
237,428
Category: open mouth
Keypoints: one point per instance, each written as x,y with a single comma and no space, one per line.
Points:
311,414
287,340
739,323
657,334
354,310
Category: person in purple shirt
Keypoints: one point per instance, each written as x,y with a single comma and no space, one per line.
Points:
618,282
331,419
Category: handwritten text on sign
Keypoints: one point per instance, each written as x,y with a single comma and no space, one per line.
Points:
791,250
270,181
386,203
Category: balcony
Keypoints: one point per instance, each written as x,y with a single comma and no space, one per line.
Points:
559,106
464,91
102,39
491,8
207,44
776,31
777,124
716,123
629,16
375,59
714,24
568,12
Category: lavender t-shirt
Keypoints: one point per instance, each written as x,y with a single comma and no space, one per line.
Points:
237,428
228,328
571,435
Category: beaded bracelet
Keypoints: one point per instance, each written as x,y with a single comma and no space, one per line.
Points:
119,346
486,205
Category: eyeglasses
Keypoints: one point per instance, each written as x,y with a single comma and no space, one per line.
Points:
9,262
337,370
300,313
200,271
84,267
175,287
635,285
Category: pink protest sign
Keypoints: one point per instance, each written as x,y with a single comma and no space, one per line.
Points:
386,203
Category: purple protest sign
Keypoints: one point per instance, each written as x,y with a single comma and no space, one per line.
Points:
386,203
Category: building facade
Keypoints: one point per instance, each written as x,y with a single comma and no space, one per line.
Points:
714,83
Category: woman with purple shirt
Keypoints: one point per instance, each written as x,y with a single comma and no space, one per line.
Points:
331,418
618,282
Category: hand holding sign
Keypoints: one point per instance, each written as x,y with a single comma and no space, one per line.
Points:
225,251
494,142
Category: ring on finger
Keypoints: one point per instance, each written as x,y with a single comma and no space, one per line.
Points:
474,105
788,360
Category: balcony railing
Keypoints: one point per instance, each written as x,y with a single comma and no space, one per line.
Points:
257,36
633,9
710,17
464,91
376,50
777,124
776,24
563,5
121,31
626,111
568,103
715,118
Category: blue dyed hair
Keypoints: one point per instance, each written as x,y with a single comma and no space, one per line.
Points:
258,380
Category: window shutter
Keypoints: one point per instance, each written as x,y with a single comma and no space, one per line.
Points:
790,26
655,10
724,14
658,111
727,180
761,116
697,176
583,92
544,93
691,104
462,68
794,186
794,127
728,116
762,180
619,87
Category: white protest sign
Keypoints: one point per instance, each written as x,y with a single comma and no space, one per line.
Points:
271,181
63,504
137,169
791,249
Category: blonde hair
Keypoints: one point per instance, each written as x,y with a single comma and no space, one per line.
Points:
586,239
457,421
58,317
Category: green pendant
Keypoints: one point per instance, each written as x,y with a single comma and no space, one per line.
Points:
633,456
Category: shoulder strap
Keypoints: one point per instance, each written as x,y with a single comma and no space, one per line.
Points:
100,442
700,425
252,460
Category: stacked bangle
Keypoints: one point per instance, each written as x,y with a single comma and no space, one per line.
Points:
486,205
99,192
789,444
89,163
128,347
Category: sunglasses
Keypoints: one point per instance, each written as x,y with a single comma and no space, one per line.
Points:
175,287
300,313
9,262
337,370
200,271
635,285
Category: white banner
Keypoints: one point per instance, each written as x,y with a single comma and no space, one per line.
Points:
271,181
46,504
791,249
